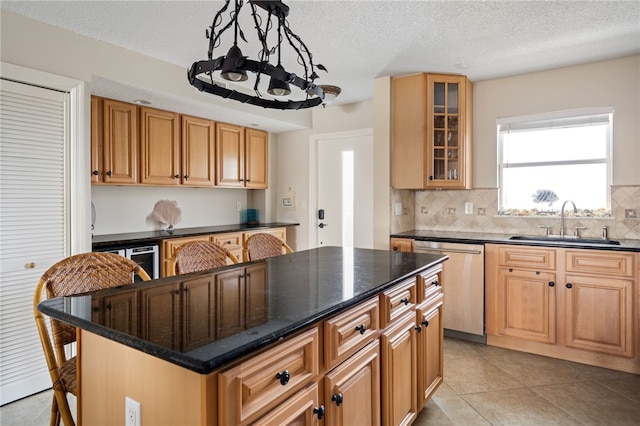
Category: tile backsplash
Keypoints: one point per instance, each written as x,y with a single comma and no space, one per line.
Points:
445,211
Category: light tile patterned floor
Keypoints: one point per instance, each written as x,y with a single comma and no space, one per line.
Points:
483,385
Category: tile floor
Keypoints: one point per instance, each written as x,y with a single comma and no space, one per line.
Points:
483,385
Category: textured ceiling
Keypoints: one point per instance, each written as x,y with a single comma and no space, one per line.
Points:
358,41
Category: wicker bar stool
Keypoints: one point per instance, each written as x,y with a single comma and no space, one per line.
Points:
76,274
261,246
197,256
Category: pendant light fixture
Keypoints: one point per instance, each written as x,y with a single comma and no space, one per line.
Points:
234,66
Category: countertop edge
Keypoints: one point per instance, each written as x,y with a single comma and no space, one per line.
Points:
200,366
146,237
489,238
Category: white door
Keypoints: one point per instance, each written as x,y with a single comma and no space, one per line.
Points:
344,190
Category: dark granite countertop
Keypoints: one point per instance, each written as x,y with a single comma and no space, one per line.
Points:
301,289
148,237
490,238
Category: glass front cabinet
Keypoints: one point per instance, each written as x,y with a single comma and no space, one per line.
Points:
431,132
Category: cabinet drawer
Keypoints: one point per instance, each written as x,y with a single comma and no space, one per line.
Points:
231,241
429,283
251,388
527,257
397,301
277,232
297,410
600,263
346,333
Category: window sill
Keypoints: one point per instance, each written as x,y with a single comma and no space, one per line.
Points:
534,213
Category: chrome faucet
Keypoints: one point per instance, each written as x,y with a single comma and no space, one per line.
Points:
575,210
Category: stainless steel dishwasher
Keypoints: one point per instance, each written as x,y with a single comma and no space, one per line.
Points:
463,287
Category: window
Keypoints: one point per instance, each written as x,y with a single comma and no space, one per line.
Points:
546,159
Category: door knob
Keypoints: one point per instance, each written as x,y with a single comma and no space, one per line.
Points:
322,225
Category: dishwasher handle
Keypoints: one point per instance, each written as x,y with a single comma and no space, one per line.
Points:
444,251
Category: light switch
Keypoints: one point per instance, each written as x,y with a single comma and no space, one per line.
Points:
398,209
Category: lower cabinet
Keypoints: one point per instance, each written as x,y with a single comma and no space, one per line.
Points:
239,293
232,241
169,248
401,244
302,409
352,390
260,385
119,311
430,350
399,372
574,304
348,369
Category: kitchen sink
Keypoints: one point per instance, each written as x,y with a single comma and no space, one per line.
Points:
571,240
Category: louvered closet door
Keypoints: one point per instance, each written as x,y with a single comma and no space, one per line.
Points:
33,224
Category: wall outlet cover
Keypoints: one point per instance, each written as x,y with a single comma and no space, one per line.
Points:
397,209
131,412
468,208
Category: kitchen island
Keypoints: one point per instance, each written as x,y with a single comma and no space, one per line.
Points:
254,342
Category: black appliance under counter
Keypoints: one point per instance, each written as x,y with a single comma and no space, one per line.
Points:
280,296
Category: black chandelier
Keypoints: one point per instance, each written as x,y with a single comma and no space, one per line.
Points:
234,66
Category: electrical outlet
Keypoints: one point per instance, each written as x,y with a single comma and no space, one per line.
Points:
468,208
397,208
238,206
132,412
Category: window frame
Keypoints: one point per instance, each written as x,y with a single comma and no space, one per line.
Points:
549,120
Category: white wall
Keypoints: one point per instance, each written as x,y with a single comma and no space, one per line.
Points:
615,83
126,208
293,155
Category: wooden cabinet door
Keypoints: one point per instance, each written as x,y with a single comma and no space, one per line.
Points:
160,319
352,390
256,295
399,372
120,138
401,244
97,144
232,241
408,143
121,312
265,381
198,151
230,300
198,312
526,304
256,159
160,147
169,250
448,131
599,314
278,232
302,409
229,155
430,349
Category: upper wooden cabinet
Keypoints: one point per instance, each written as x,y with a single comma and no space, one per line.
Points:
198,151
147,146
241,157
431,132
256,147
160,147
229,155
114,142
